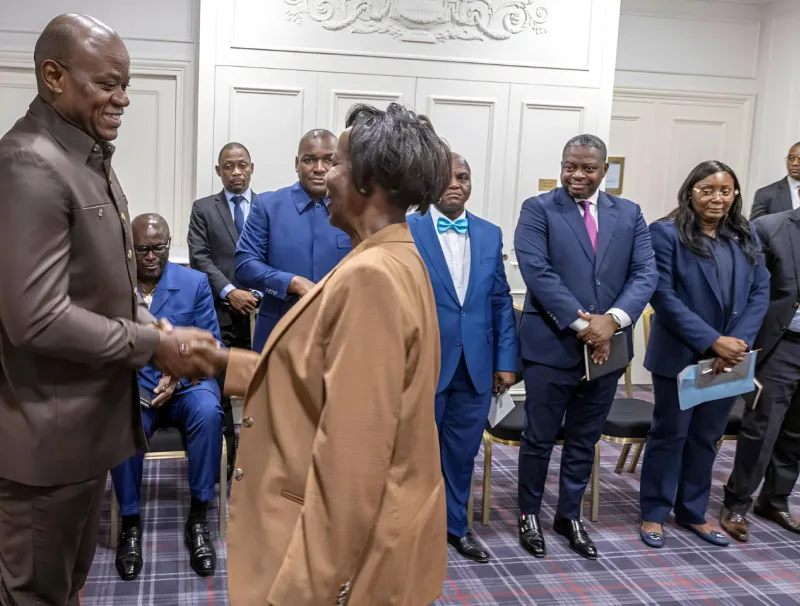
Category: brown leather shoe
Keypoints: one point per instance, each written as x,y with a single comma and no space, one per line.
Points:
784,519
735,524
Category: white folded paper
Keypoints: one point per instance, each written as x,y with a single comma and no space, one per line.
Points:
502,404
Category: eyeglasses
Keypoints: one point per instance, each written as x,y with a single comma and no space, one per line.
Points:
726,195
158,250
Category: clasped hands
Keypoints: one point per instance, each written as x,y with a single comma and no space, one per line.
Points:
185,352
731,351
598,334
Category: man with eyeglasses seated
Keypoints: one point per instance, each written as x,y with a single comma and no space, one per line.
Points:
782,195
183,297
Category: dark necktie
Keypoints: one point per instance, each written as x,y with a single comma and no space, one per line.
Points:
238,213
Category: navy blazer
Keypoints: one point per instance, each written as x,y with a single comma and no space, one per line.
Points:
282,239
689,314
563,274
183,296
483,329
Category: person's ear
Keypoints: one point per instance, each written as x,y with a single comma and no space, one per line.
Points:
53,76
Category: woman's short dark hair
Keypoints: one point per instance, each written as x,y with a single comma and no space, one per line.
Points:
733,225
400,152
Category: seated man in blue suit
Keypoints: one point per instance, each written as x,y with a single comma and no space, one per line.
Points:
183,297
288,243
464,256
590,270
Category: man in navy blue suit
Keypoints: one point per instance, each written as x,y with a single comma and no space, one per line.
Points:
464,256
590,270
183,297
288,243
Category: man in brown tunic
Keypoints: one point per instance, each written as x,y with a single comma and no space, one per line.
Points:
72,332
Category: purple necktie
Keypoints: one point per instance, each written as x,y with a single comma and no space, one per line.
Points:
589,222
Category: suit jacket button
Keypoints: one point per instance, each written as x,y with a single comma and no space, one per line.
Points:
237,474
130,255
247,421
458,343
783,328
463,313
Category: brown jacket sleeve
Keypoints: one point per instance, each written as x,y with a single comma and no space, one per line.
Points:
241,366
35,307
364,378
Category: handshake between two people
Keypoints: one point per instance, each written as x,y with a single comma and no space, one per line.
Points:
185,353
597,334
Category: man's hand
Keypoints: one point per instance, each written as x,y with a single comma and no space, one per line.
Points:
503,380
174,356
601,352
242,301
164,390
300,286
730,349
601,328
212,354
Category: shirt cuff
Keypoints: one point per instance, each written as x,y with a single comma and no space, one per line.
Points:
226,291
621,317
579,324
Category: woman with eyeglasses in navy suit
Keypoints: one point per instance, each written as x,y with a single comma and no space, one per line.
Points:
712,294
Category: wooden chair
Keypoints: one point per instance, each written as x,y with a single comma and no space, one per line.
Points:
168,443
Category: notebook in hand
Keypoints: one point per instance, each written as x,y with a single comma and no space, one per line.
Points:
618,358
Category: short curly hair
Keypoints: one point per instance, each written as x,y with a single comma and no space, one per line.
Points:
400,152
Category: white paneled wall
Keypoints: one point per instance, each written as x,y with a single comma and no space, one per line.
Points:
506,100
155,148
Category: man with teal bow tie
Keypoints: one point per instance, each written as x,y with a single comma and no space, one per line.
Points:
464,256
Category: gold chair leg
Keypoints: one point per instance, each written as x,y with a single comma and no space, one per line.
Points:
595,505
628,383
471,505
623,456
487,476
636,454
223,491
114,518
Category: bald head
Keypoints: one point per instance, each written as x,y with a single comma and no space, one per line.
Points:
317,133
66,35
149,222
459,159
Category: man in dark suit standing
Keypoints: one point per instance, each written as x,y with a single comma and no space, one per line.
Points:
590,270
214,228
768,446
782,195
72,329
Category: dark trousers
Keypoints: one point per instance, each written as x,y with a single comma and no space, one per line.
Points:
769,440
198,414
48,537
553,395
460,417
679,454
235,332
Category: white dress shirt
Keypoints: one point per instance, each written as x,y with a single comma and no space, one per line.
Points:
622,318
248,198
456,249
794,186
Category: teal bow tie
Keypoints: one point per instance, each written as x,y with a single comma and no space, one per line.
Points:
459,225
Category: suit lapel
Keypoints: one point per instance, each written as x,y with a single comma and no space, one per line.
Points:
710,273
786,194
607,215
433,250
793,228
163,291
569,210
476,239
224,210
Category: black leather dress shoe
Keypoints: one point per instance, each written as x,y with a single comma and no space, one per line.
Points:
784,519
530,535
202,555
129,553
468,547
579,540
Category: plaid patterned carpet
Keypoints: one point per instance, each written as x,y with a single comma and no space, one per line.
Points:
766,570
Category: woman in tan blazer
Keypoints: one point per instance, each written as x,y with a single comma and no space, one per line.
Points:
339,497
